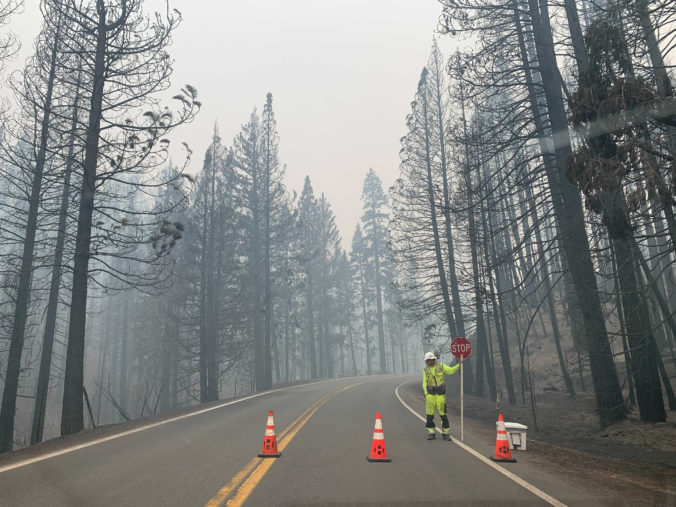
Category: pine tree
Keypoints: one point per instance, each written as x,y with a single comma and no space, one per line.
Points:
374,223
108,37
360,268
307,218
39,80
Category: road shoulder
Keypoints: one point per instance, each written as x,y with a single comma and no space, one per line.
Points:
108,431
618,481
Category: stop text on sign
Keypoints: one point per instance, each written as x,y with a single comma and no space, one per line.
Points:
460,347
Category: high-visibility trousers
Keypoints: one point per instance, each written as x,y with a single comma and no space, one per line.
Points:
436,402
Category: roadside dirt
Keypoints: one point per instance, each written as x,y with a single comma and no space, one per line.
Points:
632,463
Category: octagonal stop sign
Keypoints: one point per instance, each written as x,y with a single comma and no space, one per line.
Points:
460,347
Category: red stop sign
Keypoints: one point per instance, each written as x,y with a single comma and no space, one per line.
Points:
461,347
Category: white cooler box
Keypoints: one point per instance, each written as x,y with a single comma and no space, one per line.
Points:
516,435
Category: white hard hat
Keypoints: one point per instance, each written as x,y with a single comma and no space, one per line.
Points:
430,355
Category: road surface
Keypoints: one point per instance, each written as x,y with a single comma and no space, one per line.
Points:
324,430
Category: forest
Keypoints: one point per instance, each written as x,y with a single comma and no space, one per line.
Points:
533,213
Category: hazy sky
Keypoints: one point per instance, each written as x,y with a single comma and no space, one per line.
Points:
342,74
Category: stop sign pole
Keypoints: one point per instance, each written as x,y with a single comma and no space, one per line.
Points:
461,348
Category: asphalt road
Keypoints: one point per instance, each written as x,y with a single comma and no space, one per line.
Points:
324,431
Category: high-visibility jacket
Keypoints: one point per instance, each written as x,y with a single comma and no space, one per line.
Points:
434,378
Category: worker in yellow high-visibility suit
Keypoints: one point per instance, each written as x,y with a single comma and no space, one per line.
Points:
434,386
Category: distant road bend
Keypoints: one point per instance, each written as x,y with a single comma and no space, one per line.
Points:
324,430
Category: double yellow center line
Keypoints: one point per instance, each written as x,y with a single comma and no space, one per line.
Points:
246,480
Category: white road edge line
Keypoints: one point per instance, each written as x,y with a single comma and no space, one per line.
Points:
67,450
521,482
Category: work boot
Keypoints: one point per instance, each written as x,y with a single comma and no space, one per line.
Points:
431,436
446,436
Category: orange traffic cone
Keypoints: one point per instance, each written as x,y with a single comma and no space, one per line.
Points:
378,450
502,452
270,440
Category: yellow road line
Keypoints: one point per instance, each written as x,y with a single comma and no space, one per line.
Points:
244,472
256,469
234,482
254,479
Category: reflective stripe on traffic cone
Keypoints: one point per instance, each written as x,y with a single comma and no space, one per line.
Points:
270,440
502,452
378,450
